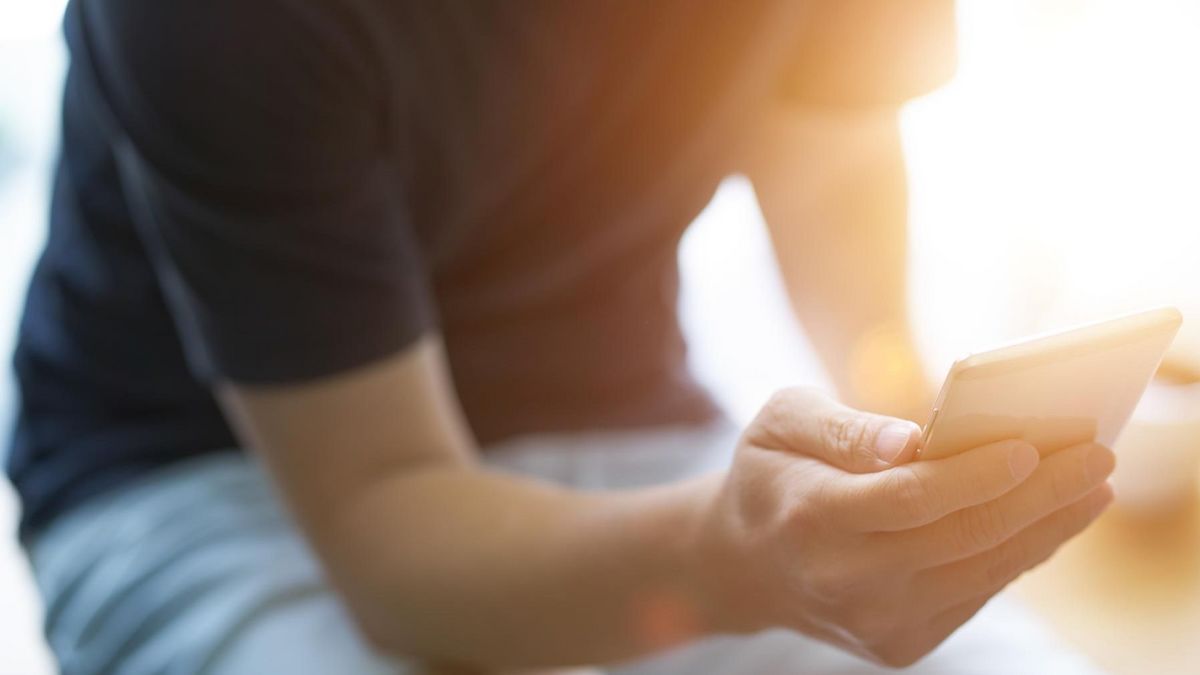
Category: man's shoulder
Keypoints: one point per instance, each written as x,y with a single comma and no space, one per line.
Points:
227,85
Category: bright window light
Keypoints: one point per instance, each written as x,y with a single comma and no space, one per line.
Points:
1057,179
29,19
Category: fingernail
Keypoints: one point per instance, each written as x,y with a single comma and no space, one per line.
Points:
1023,460
1100,462
893,439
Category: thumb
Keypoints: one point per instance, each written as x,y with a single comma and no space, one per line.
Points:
808,422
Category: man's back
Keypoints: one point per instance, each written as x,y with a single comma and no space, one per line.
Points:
517,179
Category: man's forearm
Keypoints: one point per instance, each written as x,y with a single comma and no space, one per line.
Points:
833,187
467,566
441,560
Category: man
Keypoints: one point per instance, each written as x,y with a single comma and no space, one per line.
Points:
368,239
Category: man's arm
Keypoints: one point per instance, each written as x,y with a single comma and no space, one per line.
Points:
832,185
442,560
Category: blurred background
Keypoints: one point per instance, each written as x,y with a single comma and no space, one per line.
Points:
1056,179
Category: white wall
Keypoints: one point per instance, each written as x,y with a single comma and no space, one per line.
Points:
31,65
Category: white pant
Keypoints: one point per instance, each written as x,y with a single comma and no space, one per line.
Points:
197,569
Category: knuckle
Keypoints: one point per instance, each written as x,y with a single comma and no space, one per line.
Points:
911,494
784,401
775,403
771,425
847,434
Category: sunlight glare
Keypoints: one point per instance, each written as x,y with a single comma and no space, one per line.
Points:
1056,179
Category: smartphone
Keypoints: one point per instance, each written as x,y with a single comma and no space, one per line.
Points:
1054,390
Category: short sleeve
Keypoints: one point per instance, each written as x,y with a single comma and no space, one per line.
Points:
872,52
252,146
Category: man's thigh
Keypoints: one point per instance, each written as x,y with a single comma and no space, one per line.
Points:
313,635
195,570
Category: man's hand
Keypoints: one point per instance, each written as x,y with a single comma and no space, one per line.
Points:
823,527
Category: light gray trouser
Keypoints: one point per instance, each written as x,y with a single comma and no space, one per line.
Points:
197,569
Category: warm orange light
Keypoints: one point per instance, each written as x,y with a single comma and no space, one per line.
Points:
882,370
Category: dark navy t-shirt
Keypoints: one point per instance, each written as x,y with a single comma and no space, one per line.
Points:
275,191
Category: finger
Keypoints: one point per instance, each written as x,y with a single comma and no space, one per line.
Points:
1061,479
808,422
912,495
989,572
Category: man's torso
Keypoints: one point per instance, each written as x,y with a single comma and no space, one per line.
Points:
548,159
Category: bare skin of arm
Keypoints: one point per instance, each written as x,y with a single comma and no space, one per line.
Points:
442,560
833,187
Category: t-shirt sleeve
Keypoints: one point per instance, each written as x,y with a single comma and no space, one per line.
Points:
253,145
872,52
